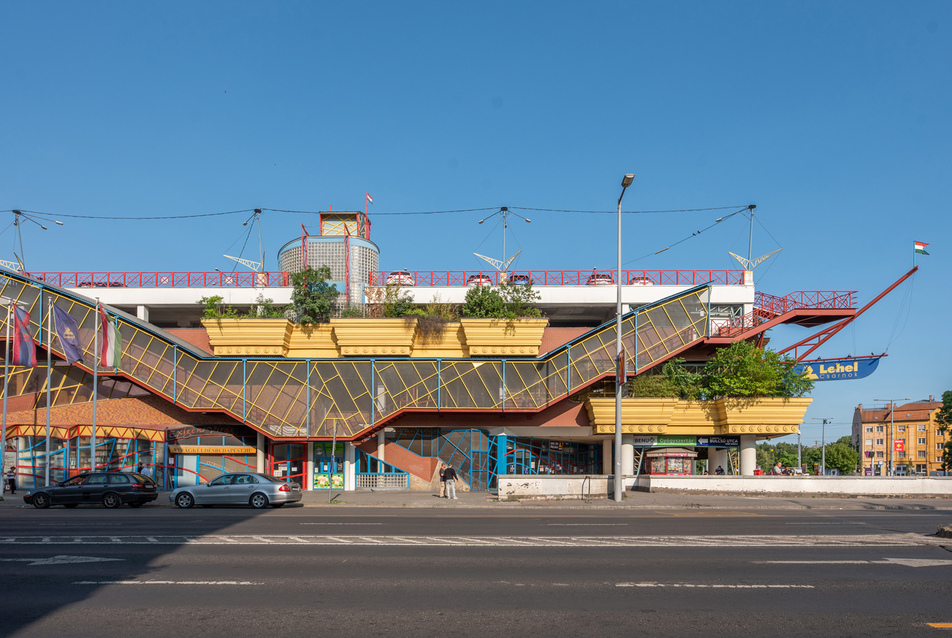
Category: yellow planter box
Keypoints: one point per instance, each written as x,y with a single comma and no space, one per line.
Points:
639,415
500,338
451,344
247,336
374,337
769,415
312,341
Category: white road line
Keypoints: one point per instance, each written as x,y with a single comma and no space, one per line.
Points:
341,523
166,582
588,524
770,541
711,586
908,562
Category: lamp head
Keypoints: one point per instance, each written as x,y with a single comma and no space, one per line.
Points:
627,180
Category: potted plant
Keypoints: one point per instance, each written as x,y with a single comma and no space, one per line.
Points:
386,332
502,321
312,301
264,332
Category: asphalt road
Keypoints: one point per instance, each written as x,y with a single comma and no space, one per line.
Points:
321,571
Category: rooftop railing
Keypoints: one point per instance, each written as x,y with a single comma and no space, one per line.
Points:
442,278
162,279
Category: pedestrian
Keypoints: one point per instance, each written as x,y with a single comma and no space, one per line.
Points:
140,467
12,479
777,469
719,471
450,475
443,480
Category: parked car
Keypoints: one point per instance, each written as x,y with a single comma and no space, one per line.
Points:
242,488
639,280
400,278
112,489
600,279
520,280
479,280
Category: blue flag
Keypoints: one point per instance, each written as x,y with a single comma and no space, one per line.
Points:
68,332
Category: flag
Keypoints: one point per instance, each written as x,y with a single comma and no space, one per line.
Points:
24,348
370,200
111,341
921,248
68,332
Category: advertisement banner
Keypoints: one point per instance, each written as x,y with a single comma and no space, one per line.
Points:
835,369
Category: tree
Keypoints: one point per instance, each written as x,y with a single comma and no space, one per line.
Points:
312,298
841,456
943,419
744,370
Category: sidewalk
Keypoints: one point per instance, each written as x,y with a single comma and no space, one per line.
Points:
632,501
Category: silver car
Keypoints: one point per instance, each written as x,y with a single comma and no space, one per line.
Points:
244,488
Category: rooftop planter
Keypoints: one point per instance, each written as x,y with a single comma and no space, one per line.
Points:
450,344
385,337
248,336
641,415
312,341
502,337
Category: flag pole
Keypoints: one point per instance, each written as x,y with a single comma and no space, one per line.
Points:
49,368
92,442
6,387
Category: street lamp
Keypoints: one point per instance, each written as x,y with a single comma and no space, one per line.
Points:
823,441
890,433
619,352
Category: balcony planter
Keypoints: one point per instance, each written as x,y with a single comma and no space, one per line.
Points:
502,338
374,337
452,343
765,415
248,336
312,341
639,415
698,416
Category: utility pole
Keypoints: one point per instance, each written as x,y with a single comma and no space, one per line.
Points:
891,435
823,449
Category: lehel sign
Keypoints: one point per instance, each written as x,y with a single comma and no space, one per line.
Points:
899,445
212,449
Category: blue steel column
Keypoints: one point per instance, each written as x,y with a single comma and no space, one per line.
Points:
307,403
503,388
244,390
174,374
373,391
439,384
501,446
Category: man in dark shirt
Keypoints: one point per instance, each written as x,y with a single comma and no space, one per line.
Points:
450,476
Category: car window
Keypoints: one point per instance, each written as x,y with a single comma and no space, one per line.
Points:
117,478
142,478
76,480
269,477
96,479
225,479
241,479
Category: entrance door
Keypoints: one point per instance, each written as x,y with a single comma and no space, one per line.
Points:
328,468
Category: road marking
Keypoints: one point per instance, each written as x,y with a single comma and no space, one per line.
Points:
713,586
940,625
588,524
783,540
166,582
341,523
62,559
908,562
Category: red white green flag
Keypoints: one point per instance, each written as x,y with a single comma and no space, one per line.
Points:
921,248
111,341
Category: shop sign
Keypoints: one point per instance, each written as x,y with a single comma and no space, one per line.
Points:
664,440
718,441
899,445
833,369
212,449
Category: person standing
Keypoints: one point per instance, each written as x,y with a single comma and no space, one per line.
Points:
12,479
450,475
443,480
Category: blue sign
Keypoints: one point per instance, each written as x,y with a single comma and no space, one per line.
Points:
718,441
834,369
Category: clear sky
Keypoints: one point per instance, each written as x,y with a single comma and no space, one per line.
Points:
831,117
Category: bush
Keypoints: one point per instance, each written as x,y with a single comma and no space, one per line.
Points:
312,298
508,301
744,370
215,309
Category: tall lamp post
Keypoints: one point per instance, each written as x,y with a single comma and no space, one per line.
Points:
619,352
823,443
890,434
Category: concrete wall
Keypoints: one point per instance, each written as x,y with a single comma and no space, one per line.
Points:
854,485
601,486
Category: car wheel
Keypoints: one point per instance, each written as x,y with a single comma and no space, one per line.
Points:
111,500
258,501
184,500
41,501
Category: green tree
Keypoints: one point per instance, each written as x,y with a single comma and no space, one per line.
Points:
841,456
483,302
943,419
651,385
507,301
312,298
744,370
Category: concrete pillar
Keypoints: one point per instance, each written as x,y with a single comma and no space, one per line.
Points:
142,312
748,454
607,450
350,467
309,466
715,457
381,445
627,454
261,447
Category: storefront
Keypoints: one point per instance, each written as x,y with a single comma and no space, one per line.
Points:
199,454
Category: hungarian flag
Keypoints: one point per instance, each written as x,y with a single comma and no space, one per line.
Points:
370,200
111,341
24,348
921,248
68,332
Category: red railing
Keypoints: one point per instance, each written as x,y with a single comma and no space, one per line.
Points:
766,307
556,277
163,279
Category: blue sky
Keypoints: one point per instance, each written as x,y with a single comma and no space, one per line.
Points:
831,117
